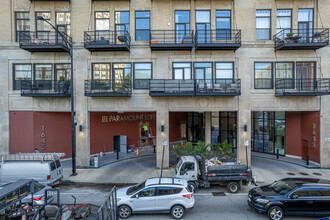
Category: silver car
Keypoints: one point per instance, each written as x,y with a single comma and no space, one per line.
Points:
156,195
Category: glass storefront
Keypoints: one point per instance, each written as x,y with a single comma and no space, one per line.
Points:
224,127
268,132
195,126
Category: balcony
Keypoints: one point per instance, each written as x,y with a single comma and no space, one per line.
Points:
45,88
302,39
108,88
50,0
107,41
171,40
302,87
224,39
190,87
43,41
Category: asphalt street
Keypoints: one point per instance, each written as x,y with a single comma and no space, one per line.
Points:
207,206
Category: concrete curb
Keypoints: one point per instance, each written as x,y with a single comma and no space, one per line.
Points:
285,161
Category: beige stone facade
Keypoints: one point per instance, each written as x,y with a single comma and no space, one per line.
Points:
243,17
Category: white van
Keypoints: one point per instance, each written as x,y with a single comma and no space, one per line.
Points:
44,168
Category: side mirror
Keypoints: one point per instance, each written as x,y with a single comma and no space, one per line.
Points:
293,196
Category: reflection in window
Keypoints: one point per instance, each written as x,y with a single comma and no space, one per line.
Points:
182,70
284,21
102,21
142,26
305,24
268,132
122,21
101,71
62,72
182,25
223,25
63,22
22,23
224,74
41,24
43,72
284,75
203,26
21,72
263,76
142,75
263,24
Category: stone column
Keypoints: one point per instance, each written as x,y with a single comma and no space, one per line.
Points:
162,118
244,118
325,132
207,118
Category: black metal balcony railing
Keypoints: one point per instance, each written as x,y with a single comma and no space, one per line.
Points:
107,40
110,88
302,39
171,40
45,88
43,41
197,87
302,87
221,39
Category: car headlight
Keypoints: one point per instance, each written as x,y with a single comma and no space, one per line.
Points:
262,200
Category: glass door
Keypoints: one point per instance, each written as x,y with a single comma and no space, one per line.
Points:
195,125
303,32
59,38
180,32
305,76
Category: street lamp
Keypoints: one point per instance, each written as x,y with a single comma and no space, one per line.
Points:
74,173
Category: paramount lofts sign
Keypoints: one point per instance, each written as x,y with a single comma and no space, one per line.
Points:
119,118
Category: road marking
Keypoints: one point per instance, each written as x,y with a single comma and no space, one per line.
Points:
74,193
227,194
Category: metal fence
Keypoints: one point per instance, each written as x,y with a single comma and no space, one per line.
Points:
219,36
108,210
309,85
107,38
45,87
179,37
43,38
106,86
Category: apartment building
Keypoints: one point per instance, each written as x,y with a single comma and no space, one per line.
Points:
252,72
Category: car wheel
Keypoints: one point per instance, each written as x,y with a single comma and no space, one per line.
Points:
192,186
177,212
275,213
233,187
124,211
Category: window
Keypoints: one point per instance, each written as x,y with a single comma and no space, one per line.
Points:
63,22
148,192
142,75
62,72
224,74
182,25
325,192
43,25
43,76
284,75
203,71
122,76
263,76
182,70
21,72
164,191
223,25
52,166
102,26
121,22
203,26
302,192
263,25
305,24
284,21
188,167
22,23
101,71
142,25
177,190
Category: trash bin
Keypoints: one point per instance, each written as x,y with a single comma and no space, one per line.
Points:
96,161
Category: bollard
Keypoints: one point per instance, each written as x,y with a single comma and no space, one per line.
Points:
277,153
117,151
307,160
96,161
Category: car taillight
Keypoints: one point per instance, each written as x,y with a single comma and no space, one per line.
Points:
37,198
188,196
48,177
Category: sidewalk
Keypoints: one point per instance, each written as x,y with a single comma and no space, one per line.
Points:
136,169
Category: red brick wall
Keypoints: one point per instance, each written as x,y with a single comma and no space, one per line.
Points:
292,133
25,132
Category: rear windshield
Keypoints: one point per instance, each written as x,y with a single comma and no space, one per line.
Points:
38,187
52,166
58,163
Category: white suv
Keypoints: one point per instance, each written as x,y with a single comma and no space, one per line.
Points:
156,195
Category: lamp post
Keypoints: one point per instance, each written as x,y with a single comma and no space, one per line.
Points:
69,44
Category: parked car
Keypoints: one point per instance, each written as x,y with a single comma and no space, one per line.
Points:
156,195
292,196
38,194
44,168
